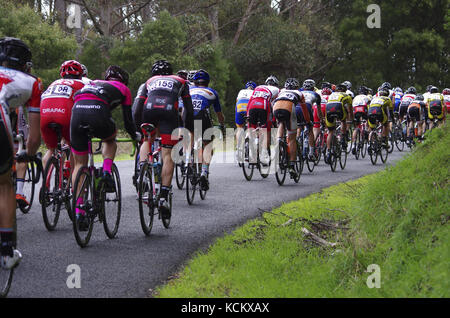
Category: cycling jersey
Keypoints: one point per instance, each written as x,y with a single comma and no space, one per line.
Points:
241,105
56,107
447,102
378,109
323,107
158,102
414,109
284,108
259,106
93,105
360,104
202,99
16,89
350,93
435,105
336,108
398,98
404,104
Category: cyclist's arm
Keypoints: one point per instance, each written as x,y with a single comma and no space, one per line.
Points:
319,106
138,106
34,136
189,109
218,109
128,122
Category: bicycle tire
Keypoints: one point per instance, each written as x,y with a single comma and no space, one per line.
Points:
179,177
6,278
88,197
357,144
145,199
298,165
391,142
112,232
318,150
383,153
191,183
200,191
281,170
51,198
247,166
166,221
334,151
373,144
29,186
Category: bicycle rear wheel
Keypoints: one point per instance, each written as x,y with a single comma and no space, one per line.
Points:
399,138
112,206
373,148
51,194
202,192
166,221
247,166
29,186
191,183
6,277
318,149
298,164
282,164
383,152
391,143
342,156
180,175
83,224
358,144
145,199
335,150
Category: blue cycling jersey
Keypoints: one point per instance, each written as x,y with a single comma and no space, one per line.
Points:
398,98
203,98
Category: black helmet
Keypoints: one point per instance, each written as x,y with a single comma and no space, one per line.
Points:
162,67
383,91
115,72
292,83
369,91
434,90
309,84
387,85
420,97
363,90
272,80
341,87
429,87
411,90
15,52
183,74
326,85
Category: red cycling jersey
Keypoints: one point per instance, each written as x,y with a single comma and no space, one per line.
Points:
56,107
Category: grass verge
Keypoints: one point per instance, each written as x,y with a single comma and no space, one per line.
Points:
322,245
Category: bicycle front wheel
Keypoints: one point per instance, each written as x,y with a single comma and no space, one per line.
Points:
83,200
145,199
51,194
112,206
282,164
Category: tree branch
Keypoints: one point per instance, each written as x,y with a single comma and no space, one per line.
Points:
130,14
96,25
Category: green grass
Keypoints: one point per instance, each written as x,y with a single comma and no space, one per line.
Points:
397,219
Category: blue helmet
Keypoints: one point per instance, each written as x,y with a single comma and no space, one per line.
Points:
250,85
201,75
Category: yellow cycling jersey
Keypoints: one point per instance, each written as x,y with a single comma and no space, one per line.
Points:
382,101
435,105
434,97
339,97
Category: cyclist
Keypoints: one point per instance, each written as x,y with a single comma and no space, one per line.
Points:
241,107
360,104
325,93
259,109
17,88
378,110
84,76
311,99
57,103
93,106
203,97
341,104
349,92
405,101
446,94
370,93
159,100
284,112
397,98
415,110
436,105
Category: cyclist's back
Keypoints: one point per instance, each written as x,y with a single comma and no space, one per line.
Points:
259,106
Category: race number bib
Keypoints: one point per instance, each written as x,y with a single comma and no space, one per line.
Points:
197,104
161,84
58,91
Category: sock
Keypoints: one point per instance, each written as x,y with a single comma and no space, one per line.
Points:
7,236
20,183
204,169
165,192
107,165
78,210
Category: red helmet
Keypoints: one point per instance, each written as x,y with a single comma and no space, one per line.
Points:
326,91
71,67
333,87
446,91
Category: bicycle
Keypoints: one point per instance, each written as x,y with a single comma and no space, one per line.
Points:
149,185
193,173
376,147
303,141
336,148
56,190
343,142
248,163
180,171
32,173
283,160
398,133
361,139
91,196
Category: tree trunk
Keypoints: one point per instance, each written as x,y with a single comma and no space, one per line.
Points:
60,13
244,21
213,16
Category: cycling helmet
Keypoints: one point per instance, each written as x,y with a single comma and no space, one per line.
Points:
201,76
272,80
387,85
348,84
191,75
383,91
115,72
250,85
309,84
369,91
85,71
162,67
326,91
428,87
363,90
326,85
15,52
341,87
398,89
434,90
183,74
292,83
420,97
71,67
333,87
411,90
446,91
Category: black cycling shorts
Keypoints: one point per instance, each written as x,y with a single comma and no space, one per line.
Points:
403,110
95,114
360,115
414,113
165,120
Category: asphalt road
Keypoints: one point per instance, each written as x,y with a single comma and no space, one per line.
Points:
132,264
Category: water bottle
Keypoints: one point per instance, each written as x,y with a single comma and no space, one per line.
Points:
66,170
